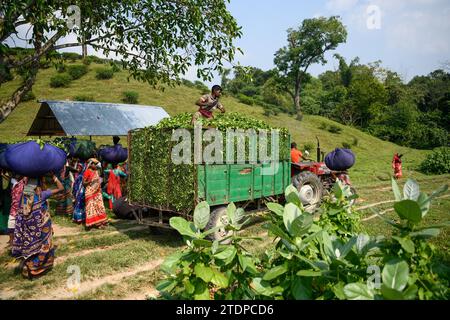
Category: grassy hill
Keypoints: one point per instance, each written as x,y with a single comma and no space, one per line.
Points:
373,155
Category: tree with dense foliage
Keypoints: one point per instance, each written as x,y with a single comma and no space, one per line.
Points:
156,40
306,46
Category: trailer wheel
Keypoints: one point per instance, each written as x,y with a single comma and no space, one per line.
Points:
310,189
219,219
122,209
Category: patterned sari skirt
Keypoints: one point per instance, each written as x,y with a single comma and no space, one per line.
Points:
64,204
95,209
33,242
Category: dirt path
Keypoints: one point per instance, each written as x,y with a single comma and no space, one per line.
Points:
88,286
142,294
64,231
62,259
3,242
389,210
102,233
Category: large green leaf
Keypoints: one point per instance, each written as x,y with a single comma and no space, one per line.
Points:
424,203
391,294
203,272
301,225
411,190
264,288
337,190
166,285
276,208
219,279
426,233
338,290
247,264
411,292
227,254
346,248
358,291
183,226
277,231
231,211
188,286
291,212
408,210
362,242
291,195
395,274
396,189
301,289
328,246
275,272
201,291
170,262
406,244
201,215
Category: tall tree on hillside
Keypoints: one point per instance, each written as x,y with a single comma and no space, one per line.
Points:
346,70
156,40
306,46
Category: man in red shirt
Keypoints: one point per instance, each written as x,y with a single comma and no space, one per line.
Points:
208,103
296,155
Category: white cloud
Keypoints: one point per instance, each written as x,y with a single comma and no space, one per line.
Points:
340,5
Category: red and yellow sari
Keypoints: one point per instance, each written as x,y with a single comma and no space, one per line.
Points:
95,209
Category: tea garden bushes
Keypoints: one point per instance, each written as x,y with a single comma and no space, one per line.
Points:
157,181
438,162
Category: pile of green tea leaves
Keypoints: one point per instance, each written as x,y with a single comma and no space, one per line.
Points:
157,182
221,121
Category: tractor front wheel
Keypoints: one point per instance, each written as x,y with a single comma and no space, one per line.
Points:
310,189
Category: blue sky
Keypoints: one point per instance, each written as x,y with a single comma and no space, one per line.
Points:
412,38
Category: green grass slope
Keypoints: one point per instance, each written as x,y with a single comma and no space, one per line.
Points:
373,155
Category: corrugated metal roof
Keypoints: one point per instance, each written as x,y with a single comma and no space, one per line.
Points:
79,118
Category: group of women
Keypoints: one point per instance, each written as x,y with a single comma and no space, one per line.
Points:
25,214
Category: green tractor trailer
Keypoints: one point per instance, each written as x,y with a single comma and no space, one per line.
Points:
158,189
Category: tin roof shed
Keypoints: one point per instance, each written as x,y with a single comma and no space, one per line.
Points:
79,118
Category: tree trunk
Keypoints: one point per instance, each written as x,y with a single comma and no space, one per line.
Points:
84,51
84,47
7,107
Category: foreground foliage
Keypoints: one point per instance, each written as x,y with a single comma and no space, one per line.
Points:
313,258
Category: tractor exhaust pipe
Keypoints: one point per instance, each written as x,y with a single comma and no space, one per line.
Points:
318,150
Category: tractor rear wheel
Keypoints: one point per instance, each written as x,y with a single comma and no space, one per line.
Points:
310,189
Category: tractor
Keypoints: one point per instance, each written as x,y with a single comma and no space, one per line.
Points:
313,179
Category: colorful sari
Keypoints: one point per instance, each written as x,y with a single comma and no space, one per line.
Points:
16,195
397,166
33,235
79,212
64,204
95,209
113,188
